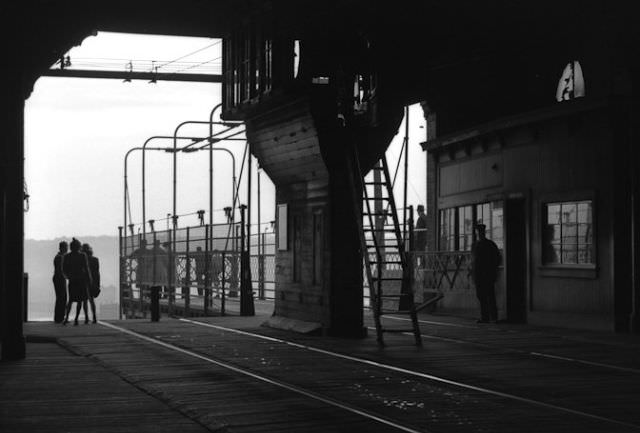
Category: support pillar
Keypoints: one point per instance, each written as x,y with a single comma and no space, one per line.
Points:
635,216
12,227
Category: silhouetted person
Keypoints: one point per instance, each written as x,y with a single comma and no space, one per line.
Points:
141,256
94,286
76,268
486,259
59,283
549,252
421,230
420,236
159,265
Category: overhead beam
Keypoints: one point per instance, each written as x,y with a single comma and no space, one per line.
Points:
148,76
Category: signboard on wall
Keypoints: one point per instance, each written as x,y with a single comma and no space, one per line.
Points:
281,216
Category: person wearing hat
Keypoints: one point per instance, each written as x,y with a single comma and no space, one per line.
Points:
420,236
486,259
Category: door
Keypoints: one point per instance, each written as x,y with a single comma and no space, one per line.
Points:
516,259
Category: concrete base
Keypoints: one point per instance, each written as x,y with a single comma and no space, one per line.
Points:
287,324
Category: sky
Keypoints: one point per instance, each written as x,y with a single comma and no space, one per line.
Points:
78,130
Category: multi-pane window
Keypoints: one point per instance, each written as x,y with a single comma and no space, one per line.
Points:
456,225
448,229
568,233
465,228
483,216
497,224
248,65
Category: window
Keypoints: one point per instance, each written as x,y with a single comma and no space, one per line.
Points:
465,228
456,225
568,233
248,65
283,243
448,229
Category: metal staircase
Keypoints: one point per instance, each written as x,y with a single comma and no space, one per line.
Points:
387,267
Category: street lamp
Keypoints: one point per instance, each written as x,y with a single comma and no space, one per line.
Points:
126,182
144,148
212,138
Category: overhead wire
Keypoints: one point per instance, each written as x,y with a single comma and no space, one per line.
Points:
190,54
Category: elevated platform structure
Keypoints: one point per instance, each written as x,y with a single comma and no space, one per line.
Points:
314,78
231,373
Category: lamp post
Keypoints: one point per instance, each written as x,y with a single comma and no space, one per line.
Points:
126,182
144,165
212,138
184,149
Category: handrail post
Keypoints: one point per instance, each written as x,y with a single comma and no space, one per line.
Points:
224,283
186,281
155,288
207,271
246,289
261,263
121,272
171,272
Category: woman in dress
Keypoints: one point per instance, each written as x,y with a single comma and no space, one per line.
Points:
76,269
94,287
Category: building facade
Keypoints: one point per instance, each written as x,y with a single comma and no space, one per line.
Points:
553,186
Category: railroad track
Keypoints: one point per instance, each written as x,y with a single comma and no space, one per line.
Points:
378,394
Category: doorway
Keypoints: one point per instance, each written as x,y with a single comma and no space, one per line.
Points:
515,261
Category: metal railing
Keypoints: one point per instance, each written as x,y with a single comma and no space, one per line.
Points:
196,269
433,273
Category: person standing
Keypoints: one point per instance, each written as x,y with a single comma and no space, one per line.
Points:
76,268
94,286
421,230
59,283
486,259
141,258
420,236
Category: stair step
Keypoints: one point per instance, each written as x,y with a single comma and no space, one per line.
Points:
383,311
399,330
375,183
379,230
367,197
386,262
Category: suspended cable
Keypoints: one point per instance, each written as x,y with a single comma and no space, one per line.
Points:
190,54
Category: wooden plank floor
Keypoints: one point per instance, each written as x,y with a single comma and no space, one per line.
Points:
538,380
54,390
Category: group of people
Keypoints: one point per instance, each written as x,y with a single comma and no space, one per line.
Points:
76,278
153,267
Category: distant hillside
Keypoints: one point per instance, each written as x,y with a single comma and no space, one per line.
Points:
38,263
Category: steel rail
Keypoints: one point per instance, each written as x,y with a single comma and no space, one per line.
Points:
423,375
271,381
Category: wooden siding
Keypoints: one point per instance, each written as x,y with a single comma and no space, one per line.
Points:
559,159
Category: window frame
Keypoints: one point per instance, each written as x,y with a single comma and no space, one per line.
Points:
570,270
453,213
